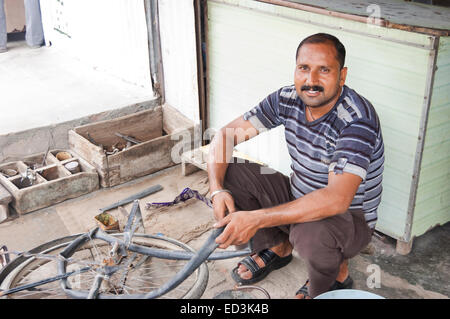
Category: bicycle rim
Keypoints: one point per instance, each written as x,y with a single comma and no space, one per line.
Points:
139,275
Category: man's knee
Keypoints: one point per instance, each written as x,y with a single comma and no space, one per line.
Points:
233,174
233,169
312,239
241,173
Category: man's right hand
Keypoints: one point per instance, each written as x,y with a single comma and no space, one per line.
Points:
223,203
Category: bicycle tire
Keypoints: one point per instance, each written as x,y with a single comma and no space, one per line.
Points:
9,273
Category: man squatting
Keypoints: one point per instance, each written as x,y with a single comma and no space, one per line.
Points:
327,209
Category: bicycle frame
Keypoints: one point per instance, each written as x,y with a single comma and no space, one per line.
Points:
122,246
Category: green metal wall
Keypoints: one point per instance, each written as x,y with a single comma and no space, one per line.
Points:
251,53
433,193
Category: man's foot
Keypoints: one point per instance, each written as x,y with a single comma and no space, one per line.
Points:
343,271
3,50
346,284
303,293
257,266
343,281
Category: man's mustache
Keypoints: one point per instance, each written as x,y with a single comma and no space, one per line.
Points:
312,88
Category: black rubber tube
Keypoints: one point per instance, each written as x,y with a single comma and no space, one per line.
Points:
42,248
201,256
169,254
197,259
43,282
69,251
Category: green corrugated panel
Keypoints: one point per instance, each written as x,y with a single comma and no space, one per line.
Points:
251,54
433,193
429,221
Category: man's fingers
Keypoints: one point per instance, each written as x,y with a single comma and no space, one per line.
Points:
222,222
223,237
218,214
220,210
230,206
225,245
223,203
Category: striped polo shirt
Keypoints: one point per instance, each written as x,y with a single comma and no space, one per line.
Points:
346,139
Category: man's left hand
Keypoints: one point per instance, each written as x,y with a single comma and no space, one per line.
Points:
241,226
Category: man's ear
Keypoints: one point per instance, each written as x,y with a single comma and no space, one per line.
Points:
343,76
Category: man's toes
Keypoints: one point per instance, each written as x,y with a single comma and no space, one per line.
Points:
246,275
241,269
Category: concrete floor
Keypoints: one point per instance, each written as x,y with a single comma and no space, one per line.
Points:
423,274
44,86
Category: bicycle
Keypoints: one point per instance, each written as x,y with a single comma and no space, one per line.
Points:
102,265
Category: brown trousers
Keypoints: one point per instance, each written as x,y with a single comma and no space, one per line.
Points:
322,244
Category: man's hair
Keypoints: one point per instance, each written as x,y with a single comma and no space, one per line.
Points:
323,38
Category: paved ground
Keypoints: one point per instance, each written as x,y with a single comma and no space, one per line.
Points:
424,273
46,86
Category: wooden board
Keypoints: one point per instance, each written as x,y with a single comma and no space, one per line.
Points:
159,131
5,199
53,184
173,120
192,161
144,126
5,196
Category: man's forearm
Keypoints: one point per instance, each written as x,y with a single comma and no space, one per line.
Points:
216,175
220,154
314,206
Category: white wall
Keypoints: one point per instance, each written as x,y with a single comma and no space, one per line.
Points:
108,35
178,46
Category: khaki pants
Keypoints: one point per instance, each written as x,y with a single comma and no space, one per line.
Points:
322,244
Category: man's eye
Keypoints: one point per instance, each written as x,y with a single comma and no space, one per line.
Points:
302,67
325,70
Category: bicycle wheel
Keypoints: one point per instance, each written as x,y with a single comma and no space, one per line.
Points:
137,275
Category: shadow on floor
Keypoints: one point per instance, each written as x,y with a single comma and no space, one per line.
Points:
16,36
424,270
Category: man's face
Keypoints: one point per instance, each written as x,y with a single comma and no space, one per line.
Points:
318,76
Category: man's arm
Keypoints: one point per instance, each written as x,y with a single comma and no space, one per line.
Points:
220,154
331,200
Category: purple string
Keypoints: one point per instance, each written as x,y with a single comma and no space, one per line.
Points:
185,195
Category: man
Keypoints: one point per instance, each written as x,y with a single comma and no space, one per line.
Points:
327,209
34,35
